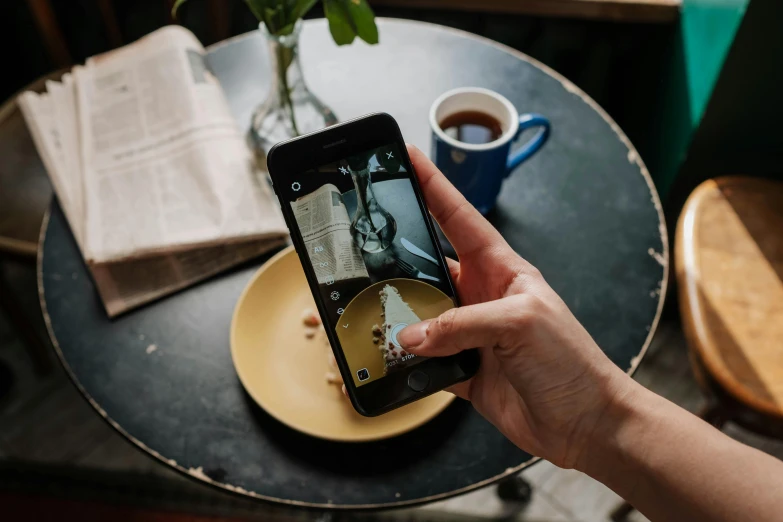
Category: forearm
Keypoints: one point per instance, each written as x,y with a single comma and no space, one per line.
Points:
671,465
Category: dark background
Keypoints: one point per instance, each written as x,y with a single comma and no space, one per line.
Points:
618,64
636,71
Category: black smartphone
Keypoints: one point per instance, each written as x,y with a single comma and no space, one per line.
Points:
371,256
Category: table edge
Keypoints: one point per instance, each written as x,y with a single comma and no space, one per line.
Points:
198,473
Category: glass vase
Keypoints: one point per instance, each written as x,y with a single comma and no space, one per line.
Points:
373,228
290,109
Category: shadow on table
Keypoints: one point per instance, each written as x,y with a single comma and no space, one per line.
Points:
342,457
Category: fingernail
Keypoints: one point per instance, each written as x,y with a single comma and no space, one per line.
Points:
412,336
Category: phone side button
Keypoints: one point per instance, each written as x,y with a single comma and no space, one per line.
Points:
417,381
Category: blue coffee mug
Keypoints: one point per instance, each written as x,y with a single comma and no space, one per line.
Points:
478,170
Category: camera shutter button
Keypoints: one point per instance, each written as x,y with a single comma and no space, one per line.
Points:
418,381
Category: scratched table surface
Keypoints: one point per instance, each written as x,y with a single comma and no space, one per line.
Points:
583,210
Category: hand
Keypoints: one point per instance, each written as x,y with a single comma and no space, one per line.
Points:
543,381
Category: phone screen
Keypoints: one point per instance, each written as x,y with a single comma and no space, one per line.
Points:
376,262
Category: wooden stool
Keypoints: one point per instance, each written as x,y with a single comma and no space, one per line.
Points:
729,266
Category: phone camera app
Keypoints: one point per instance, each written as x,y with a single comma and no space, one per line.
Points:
363,374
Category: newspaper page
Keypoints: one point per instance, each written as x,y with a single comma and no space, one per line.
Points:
151,171
325,226
48,133
125,285
165,166
63,96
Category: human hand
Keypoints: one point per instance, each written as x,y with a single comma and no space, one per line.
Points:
543,381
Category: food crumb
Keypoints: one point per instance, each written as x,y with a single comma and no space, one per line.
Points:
151,348
310,318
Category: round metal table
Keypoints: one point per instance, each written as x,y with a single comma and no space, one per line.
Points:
583,210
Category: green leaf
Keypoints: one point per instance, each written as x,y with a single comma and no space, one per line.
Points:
349,18
363,20
257,7
275,18
175,7
301,7
277,15
340,25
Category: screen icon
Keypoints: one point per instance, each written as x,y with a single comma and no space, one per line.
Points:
335,295
363,374
295,186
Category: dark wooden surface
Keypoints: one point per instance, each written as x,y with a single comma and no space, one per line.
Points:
582,210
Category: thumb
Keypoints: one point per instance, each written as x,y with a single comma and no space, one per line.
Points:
475,326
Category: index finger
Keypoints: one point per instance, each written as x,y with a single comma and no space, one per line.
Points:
466,229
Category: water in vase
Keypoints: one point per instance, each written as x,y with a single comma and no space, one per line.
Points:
373,227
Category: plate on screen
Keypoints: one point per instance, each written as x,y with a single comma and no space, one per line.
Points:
363,315
285,371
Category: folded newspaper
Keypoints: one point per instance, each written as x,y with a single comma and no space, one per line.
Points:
151,170
325,226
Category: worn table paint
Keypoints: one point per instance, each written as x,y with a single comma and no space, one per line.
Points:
583,210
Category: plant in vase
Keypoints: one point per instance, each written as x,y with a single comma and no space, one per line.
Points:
373,228
290,108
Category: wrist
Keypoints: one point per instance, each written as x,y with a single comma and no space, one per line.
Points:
605,445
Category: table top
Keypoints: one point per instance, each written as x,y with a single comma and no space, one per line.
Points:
583,210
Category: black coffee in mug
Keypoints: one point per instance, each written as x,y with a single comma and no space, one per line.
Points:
474,127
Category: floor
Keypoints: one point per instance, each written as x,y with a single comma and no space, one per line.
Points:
53,444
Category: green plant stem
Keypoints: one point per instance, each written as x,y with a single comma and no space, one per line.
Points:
284,59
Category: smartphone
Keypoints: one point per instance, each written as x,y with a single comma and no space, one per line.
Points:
371,256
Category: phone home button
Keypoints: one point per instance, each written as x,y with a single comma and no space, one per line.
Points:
417,381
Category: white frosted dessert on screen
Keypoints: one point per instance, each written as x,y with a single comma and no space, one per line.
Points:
396,315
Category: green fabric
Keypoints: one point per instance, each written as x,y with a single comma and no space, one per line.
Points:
708,28
704,36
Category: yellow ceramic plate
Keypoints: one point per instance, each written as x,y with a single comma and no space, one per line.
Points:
284,371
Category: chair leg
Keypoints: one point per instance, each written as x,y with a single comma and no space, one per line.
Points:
7,380
714,414
515,489
38,351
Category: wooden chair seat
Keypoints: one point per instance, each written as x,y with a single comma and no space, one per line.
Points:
729,266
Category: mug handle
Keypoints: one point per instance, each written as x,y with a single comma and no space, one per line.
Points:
527,121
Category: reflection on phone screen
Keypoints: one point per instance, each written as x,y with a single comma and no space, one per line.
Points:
373,255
